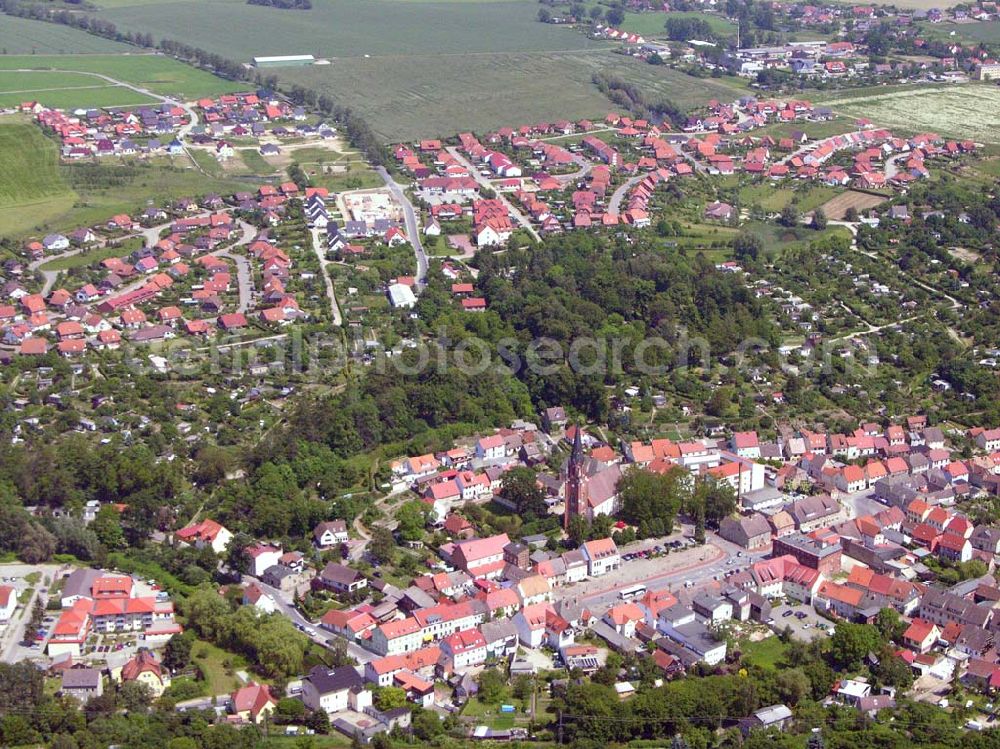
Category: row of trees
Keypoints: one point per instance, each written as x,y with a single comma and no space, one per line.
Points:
630,97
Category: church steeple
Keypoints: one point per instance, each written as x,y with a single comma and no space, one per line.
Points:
575,488
576,456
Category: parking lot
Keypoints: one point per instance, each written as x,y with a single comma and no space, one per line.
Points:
15,575
804,622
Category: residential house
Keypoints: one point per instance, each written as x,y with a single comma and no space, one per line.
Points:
82,683
341,578
601,555
145,668
330,533
335,690
252,703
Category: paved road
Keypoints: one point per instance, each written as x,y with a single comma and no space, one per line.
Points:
519,217
698,565
861,503
892,164
322,637
618,195
585,167
150,235
12,636
320,250
244,277
412,225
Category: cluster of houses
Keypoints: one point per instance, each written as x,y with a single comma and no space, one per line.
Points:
843,55
486,599
150,130
121,297
491,596
610,181
252,115
822,59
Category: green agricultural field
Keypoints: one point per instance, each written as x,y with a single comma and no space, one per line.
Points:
419,68
37,195
65,90
966,111
829,98
156,73
30,182
79,98
340,29
489,91
652,25
43,80
980,31
21,36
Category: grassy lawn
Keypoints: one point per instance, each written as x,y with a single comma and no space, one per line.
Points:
773,198
780,238
768,197
38,195
357,177
256,163
765,653
211,660
491,716
207,161
652,25
28,169
815,130
315,155
85,258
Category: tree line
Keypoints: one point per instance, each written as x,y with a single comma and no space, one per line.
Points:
630,97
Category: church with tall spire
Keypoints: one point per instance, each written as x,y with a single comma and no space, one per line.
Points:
576,485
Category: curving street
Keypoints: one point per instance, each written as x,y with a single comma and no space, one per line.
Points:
412,225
